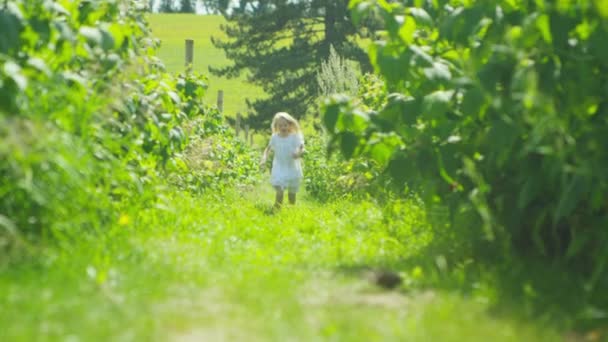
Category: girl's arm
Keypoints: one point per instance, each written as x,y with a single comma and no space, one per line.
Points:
301,149
267,150
299,152
265,155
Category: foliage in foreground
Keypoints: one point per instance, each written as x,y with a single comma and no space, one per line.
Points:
88,118
498,111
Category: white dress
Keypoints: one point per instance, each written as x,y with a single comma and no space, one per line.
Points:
286,170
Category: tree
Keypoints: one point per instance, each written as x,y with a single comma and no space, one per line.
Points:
187,6
215,6
166,6
280,44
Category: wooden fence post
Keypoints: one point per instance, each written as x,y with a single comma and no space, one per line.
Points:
237,127
220,100
246,133
189,54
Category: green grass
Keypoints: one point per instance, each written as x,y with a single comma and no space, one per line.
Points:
218,268
174,29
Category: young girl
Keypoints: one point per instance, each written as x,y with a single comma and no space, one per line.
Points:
287,143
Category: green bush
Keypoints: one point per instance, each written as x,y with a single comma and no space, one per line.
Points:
496,108
337,75
329,177
214,161
89,119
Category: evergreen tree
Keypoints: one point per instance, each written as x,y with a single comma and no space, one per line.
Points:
187,6
166,6
281,45
214,6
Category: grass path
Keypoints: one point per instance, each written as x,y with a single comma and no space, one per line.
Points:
224,268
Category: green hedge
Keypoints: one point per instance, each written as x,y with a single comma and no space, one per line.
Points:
497,109
89,119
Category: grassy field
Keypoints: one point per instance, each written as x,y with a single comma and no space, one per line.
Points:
224,268
174,29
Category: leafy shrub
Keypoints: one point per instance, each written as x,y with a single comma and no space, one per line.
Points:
372,92
214,161
320,171
328,177
497,110
337,75
89,119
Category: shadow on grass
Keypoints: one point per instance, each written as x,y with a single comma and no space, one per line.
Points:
266,209
523,289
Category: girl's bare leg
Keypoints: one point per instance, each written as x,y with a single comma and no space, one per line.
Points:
292,197
278,201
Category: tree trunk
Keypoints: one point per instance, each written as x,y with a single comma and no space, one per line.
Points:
329,22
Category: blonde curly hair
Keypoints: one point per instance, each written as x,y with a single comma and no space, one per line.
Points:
293,123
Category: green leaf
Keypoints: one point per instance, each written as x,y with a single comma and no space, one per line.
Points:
461,23
65,31
400,108
39,65
585,29
406,32
561,26
354,121
602,7
401,169
576,245
393,23
392,63
11,25
438,72
331,116
420,54
393,109
92,34
59,9
473,102
74,78
437,103
359,9
43,29
382,145
421,16
442,169
348,143
572,194
174,96
9,226
542,23
529,191
411,110
85,9
525,85
13,71
107,40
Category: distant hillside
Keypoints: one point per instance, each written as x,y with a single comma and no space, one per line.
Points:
174,29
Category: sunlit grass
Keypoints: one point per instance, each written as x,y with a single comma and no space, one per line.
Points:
174,29
228,268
